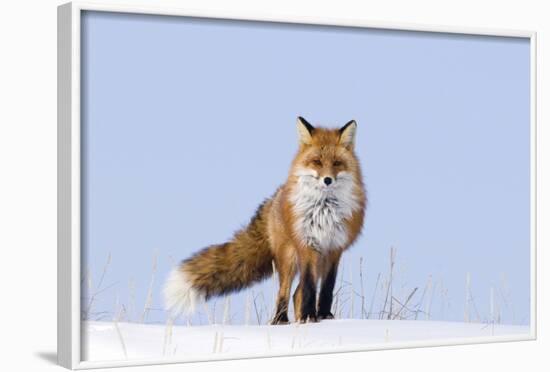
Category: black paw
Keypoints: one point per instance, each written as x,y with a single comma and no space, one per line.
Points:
323,316
281,318
310,318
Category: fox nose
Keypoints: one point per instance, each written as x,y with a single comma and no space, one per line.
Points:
327,181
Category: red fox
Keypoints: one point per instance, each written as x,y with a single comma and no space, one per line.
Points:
303,228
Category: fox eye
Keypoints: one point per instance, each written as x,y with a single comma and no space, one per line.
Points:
317,162
337,163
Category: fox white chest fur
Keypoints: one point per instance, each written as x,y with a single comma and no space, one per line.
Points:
322,210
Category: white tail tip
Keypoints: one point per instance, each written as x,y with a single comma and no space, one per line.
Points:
179,295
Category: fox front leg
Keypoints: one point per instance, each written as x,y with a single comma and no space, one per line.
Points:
330,269
305,296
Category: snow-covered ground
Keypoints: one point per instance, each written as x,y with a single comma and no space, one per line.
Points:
109,341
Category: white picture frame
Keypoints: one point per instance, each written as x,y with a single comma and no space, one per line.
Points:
69,167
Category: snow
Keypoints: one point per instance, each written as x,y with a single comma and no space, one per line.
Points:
120,341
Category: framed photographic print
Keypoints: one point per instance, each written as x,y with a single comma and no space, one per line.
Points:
243,185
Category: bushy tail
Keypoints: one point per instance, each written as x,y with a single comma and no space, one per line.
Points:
221,269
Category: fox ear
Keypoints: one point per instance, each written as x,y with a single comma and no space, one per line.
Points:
305,130
347,134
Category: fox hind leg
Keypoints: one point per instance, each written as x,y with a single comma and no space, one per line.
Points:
286,267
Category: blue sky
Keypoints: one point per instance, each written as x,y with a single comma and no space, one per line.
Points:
189,124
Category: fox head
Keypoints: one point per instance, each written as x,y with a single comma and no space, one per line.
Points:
326,155
325,187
